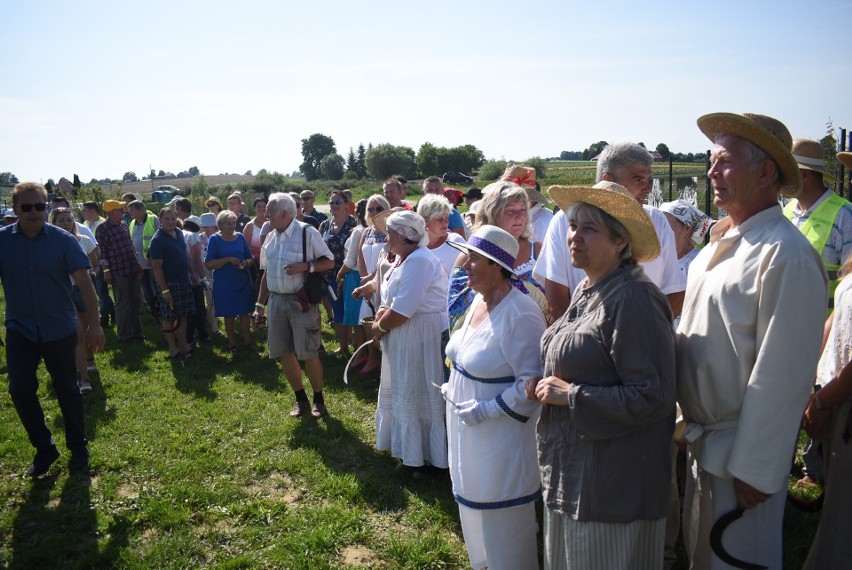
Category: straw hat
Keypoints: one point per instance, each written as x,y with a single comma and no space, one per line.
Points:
492,242
380,220
809,155
524,176
845,159
615,200
213,199
769,134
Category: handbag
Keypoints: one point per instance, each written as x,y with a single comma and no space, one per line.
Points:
315,283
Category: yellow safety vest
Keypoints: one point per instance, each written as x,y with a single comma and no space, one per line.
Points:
148,231
817,230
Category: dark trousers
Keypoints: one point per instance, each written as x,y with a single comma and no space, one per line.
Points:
149,293
22,358
105,304
198,321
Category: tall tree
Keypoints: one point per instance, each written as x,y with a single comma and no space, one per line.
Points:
314,149
664,151
351,162
8,179
331,166
385,160
427,160
361,165
193,171
594,150
129,176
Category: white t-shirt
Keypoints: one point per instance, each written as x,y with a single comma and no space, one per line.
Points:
540,218
554,261
447,254
417,285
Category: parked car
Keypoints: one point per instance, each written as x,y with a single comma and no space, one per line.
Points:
457,178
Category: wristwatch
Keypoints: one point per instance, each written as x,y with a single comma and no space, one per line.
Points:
310,267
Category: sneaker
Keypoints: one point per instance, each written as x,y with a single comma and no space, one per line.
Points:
42,461
79,460
299,410
85,387
319,410
91,368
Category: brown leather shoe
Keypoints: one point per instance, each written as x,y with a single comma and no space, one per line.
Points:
299,410
319,410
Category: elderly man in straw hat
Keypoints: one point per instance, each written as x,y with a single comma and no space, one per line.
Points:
748,344
629,165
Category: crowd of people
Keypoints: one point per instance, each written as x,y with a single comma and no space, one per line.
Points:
570,356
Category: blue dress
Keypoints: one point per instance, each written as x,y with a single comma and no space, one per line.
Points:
232,287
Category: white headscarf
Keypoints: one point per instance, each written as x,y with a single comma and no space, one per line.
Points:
410,225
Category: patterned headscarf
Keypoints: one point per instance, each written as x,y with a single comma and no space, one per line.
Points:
410,225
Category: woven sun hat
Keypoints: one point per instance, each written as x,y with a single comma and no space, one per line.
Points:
492,242
380,220
111,205
208,220
213,199
769,134
690,216
524,176
618,202
810,156
845,159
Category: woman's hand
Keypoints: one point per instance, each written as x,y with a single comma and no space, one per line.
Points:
235,262
246,263
529,387
813,421
363,291
553,391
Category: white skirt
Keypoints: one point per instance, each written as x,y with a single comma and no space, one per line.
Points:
500,538
410,411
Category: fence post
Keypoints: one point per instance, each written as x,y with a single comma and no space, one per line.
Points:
670,178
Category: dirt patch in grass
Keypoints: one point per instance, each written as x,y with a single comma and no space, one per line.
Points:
276,487
361,556
126,491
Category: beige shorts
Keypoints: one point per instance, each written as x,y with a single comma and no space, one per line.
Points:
289,330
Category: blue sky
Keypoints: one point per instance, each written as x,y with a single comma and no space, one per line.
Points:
100,88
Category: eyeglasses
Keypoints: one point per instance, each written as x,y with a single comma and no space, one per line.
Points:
335,202
40,207
375,210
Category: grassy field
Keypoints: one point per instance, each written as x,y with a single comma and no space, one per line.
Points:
196,464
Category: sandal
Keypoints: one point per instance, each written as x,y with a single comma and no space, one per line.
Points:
370,370
175,355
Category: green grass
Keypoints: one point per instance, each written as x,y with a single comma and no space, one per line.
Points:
196,465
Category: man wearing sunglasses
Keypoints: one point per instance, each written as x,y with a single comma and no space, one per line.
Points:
35,261
308,209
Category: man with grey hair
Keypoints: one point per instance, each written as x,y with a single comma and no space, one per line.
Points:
293,331
629,165
747,347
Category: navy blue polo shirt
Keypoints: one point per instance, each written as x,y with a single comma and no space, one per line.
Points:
172,250
35,273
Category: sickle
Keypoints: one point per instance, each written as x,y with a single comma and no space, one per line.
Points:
716,542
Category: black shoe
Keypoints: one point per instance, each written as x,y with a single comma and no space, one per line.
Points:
79,460
104,321
44,458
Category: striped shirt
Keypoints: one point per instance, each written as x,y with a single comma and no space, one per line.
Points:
285,248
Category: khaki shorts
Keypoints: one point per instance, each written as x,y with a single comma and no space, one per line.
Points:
289,330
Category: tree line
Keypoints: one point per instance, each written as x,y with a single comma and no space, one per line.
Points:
321,160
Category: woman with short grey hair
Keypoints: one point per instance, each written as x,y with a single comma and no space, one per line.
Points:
436,211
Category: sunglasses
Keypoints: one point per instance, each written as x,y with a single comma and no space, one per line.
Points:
335,202
40,207
375,210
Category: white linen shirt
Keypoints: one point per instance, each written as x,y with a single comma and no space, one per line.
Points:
554,260
285,248
747,347
417,285
540,218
